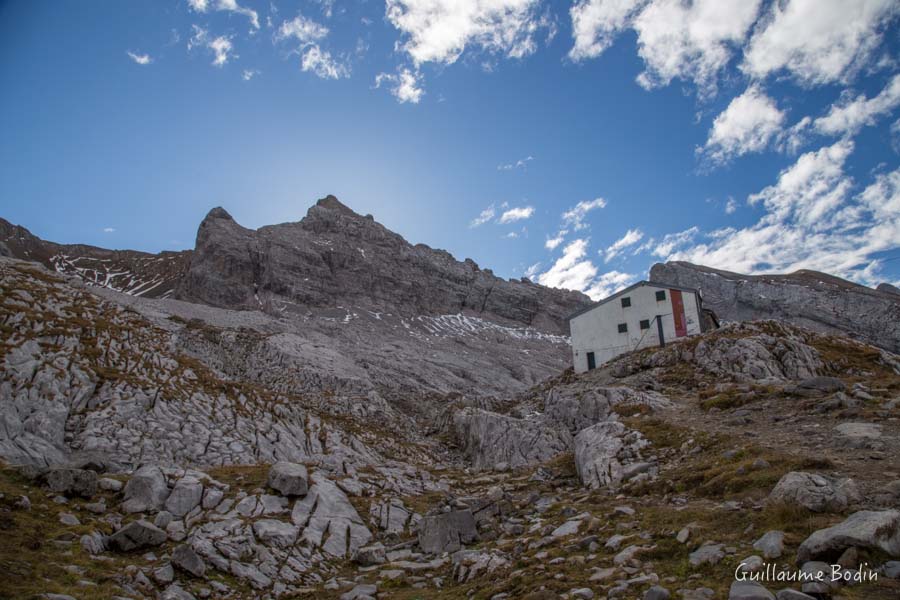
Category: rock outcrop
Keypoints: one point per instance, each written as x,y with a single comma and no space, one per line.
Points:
809,299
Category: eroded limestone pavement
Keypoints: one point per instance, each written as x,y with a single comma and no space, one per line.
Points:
157,457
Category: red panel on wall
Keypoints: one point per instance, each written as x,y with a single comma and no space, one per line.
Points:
678,313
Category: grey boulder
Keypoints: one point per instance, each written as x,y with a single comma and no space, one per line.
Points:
146,490
188,561
289,479
185,496
771,544
864,529
137,534
815,492
749,590
75,482
370,555
273,532
446,532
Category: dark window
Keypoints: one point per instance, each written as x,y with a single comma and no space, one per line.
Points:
660,295
623,327
645,324
592,362
626,302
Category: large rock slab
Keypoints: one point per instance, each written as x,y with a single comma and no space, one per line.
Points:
136,535
494,441
865,529
289,479
328,519
607,454
815,492
273,532
446,532
577,410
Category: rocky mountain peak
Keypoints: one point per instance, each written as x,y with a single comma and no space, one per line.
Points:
336,257
218,213
332,203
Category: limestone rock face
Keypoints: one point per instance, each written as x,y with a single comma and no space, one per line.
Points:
806,298
334,256
491,439
606,454
329,520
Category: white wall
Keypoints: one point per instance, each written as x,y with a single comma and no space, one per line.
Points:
597,330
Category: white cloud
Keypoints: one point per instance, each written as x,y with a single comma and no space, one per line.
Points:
571,270
813,221
749,123
817,41
574,271
322,63
220,46
730,206
327,8
810,189
850,115
595,24
673,241
483,217
631,237
693,41
575,216
405,85
517,213
511,235
301,29
609,283
519,164
109,230
531,271
552,243
313,58
249,74
141,59
202,6
440,30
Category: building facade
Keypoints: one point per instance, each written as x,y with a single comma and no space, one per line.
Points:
642,315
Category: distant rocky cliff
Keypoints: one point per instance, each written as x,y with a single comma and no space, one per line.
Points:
128,271
810,299
335,257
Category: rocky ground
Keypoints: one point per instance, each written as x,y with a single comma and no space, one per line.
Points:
156,448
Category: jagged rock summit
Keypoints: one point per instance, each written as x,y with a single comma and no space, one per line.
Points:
334,257
810,299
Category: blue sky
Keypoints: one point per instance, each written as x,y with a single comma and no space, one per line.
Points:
576,142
